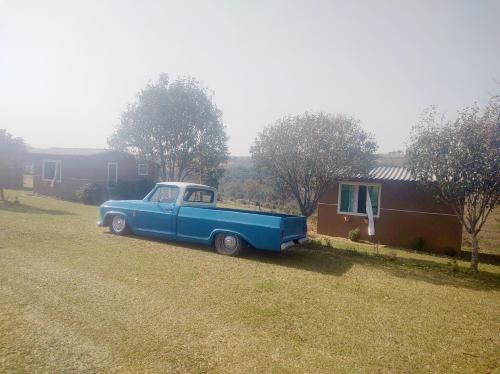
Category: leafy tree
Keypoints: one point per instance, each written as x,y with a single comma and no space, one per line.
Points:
460,161
11,157
308,152
177,125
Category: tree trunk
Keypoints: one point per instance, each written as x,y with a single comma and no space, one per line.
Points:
164,171
474,258
2,197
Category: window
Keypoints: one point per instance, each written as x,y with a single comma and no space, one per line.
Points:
142,169
165,194
51,170
352,198
196,195
112,174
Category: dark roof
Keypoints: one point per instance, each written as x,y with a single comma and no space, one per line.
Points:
389,173
69,151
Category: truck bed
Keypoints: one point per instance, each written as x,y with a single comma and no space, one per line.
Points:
262,230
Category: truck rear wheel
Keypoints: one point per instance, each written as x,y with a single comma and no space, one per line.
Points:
228,244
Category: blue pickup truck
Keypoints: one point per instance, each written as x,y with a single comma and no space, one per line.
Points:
188,212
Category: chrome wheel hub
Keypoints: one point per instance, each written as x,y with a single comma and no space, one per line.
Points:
118,223
230,242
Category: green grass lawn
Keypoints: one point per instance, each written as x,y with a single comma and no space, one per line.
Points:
76,298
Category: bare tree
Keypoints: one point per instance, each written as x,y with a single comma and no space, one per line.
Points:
460,161
308,152
177,125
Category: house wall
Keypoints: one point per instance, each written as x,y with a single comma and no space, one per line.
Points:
406,213
77,171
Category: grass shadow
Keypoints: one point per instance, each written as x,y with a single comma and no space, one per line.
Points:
416,269
24,208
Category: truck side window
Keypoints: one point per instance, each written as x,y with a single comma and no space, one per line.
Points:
165,194
196,195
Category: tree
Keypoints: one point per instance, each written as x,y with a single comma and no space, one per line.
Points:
460,160
11,157
177,125
308,152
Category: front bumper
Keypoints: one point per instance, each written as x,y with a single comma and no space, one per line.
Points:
100,224
291,243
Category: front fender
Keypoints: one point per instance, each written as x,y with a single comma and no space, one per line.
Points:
106,218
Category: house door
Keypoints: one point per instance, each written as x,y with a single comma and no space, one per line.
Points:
112,174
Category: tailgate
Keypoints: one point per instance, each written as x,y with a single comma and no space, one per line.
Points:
293,228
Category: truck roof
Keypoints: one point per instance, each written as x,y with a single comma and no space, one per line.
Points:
186,184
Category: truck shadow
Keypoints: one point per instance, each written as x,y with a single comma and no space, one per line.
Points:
301,258
336,262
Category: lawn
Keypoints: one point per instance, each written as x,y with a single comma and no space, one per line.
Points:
76,298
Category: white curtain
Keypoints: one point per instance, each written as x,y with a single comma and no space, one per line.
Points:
369,212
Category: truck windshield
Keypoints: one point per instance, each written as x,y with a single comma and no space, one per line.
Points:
165,194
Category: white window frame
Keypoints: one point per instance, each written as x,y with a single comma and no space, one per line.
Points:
60,170
116,176
139,169
356,200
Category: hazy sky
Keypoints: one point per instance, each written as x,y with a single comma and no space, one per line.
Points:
68,68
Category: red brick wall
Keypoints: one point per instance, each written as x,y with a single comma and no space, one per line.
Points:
404,216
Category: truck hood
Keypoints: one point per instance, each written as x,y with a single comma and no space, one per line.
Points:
121,203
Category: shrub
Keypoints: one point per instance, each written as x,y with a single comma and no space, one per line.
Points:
131,190
418,244
91,194
354,234
453,264
451,252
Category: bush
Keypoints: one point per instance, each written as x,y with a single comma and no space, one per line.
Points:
418,244
354,234
91,194
131,190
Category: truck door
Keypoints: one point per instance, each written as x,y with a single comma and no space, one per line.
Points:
158,215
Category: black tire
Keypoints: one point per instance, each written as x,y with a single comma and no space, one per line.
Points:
118,225
228,244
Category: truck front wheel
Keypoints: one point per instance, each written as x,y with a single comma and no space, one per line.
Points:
228,244
118,225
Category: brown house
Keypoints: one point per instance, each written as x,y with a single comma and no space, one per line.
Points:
60,172
402,211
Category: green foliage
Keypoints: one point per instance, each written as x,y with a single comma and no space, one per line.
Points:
460,161
306,153
91,194
12,151
418,244
95,193
354,234
131,190
177,125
